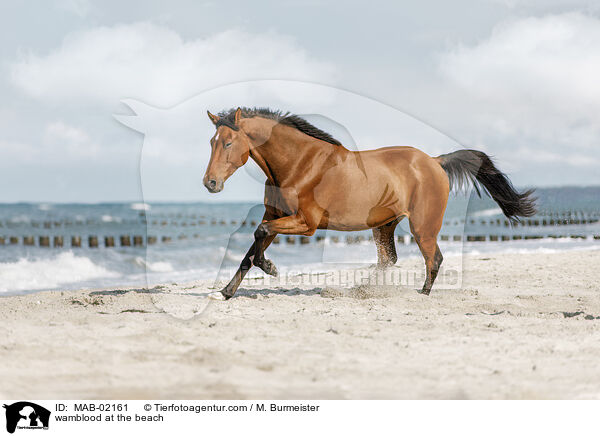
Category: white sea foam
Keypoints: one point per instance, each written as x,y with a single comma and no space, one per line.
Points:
234,257
20,219
140,206
65,268
487,212
158,266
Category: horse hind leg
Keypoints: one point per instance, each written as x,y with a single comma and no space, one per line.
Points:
426,218
433,260
425,227
432,269
386,246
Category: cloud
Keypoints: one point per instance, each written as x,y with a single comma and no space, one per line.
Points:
67,141
60,143
64,132
532,5
535,79
81,8
551,157
15,152
155,64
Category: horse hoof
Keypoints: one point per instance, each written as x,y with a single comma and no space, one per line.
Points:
269,267
424,291
226,296
226,293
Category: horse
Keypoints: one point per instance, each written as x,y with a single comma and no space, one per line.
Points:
314,182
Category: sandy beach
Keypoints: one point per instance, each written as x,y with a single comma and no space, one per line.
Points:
521,326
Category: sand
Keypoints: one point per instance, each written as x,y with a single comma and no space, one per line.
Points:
520,326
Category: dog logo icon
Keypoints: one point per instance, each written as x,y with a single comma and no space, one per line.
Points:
26,415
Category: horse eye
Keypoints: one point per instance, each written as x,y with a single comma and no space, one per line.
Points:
227,145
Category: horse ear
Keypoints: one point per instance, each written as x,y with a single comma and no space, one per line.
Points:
213,118
238,116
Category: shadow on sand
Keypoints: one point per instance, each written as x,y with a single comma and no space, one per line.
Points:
254,293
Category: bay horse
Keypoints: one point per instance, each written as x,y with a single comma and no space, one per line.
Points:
314,182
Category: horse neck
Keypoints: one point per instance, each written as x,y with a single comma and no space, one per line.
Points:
277,148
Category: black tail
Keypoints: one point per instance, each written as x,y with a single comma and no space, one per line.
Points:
477,167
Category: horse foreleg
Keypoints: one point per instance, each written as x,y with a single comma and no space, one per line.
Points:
263,236
250,259
229,290
258,257
267,230
288,225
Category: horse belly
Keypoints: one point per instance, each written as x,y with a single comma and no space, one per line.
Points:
353,201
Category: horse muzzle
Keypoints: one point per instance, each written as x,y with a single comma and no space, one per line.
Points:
213,185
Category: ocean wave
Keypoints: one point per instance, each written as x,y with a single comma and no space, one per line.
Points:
140,206
234,257
158,266
38,274
487,212
20,219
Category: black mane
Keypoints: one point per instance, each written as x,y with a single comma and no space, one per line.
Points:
226,118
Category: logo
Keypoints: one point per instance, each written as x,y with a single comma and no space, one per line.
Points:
26,415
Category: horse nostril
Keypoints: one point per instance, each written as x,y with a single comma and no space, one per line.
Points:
213,185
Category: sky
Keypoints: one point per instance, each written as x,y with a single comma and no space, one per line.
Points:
516,79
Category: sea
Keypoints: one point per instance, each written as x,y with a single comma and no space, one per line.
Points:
51,246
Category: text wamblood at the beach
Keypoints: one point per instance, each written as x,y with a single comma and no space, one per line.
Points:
109,417
258,407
